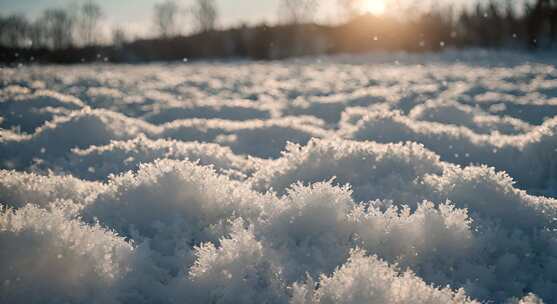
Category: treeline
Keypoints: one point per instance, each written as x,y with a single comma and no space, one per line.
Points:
70,35
55,28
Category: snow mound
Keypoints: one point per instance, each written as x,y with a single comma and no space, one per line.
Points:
104,97
231,110
373,170
260,138
18,189
312,232
27,111
315,227
47,258
531,107
452,112
328,110
406,174
441,244
98,162
366,279
237,271
79,129
174,204
528,157
351,116
22,99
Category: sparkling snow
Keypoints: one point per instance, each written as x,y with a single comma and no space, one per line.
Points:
348,179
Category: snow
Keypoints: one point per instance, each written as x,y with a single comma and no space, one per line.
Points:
349,179
48,258
18,189
475,119
527,157
369,280
98,162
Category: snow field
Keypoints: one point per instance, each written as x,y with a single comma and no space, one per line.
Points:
347,179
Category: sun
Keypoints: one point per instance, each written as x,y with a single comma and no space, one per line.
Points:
375,7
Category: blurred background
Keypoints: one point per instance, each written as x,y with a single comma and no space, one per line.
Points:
74,31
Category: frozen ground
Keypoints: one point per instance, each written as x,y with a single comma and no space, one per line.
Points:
353,179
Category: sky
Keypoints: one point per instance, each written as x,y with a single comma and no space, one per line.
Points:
135,16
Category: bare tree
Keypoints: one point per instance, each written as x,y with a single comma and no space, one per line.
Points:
38,34
297,11
58,25
165,18
542,14
119,37
14,31
90,14
205,14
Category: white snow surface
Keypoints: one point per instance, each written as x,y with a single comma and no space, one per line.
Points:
348,179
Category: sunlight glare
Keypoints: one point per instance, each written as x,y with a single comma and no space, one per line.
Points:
375,7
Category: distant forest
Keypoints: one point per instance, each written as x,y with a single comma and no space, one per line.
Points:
69,35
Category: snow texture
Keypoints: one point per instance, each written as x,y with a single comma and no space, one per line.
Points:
349,179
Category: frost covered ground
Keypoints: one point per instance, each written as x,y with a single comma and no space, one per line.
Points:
353,179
